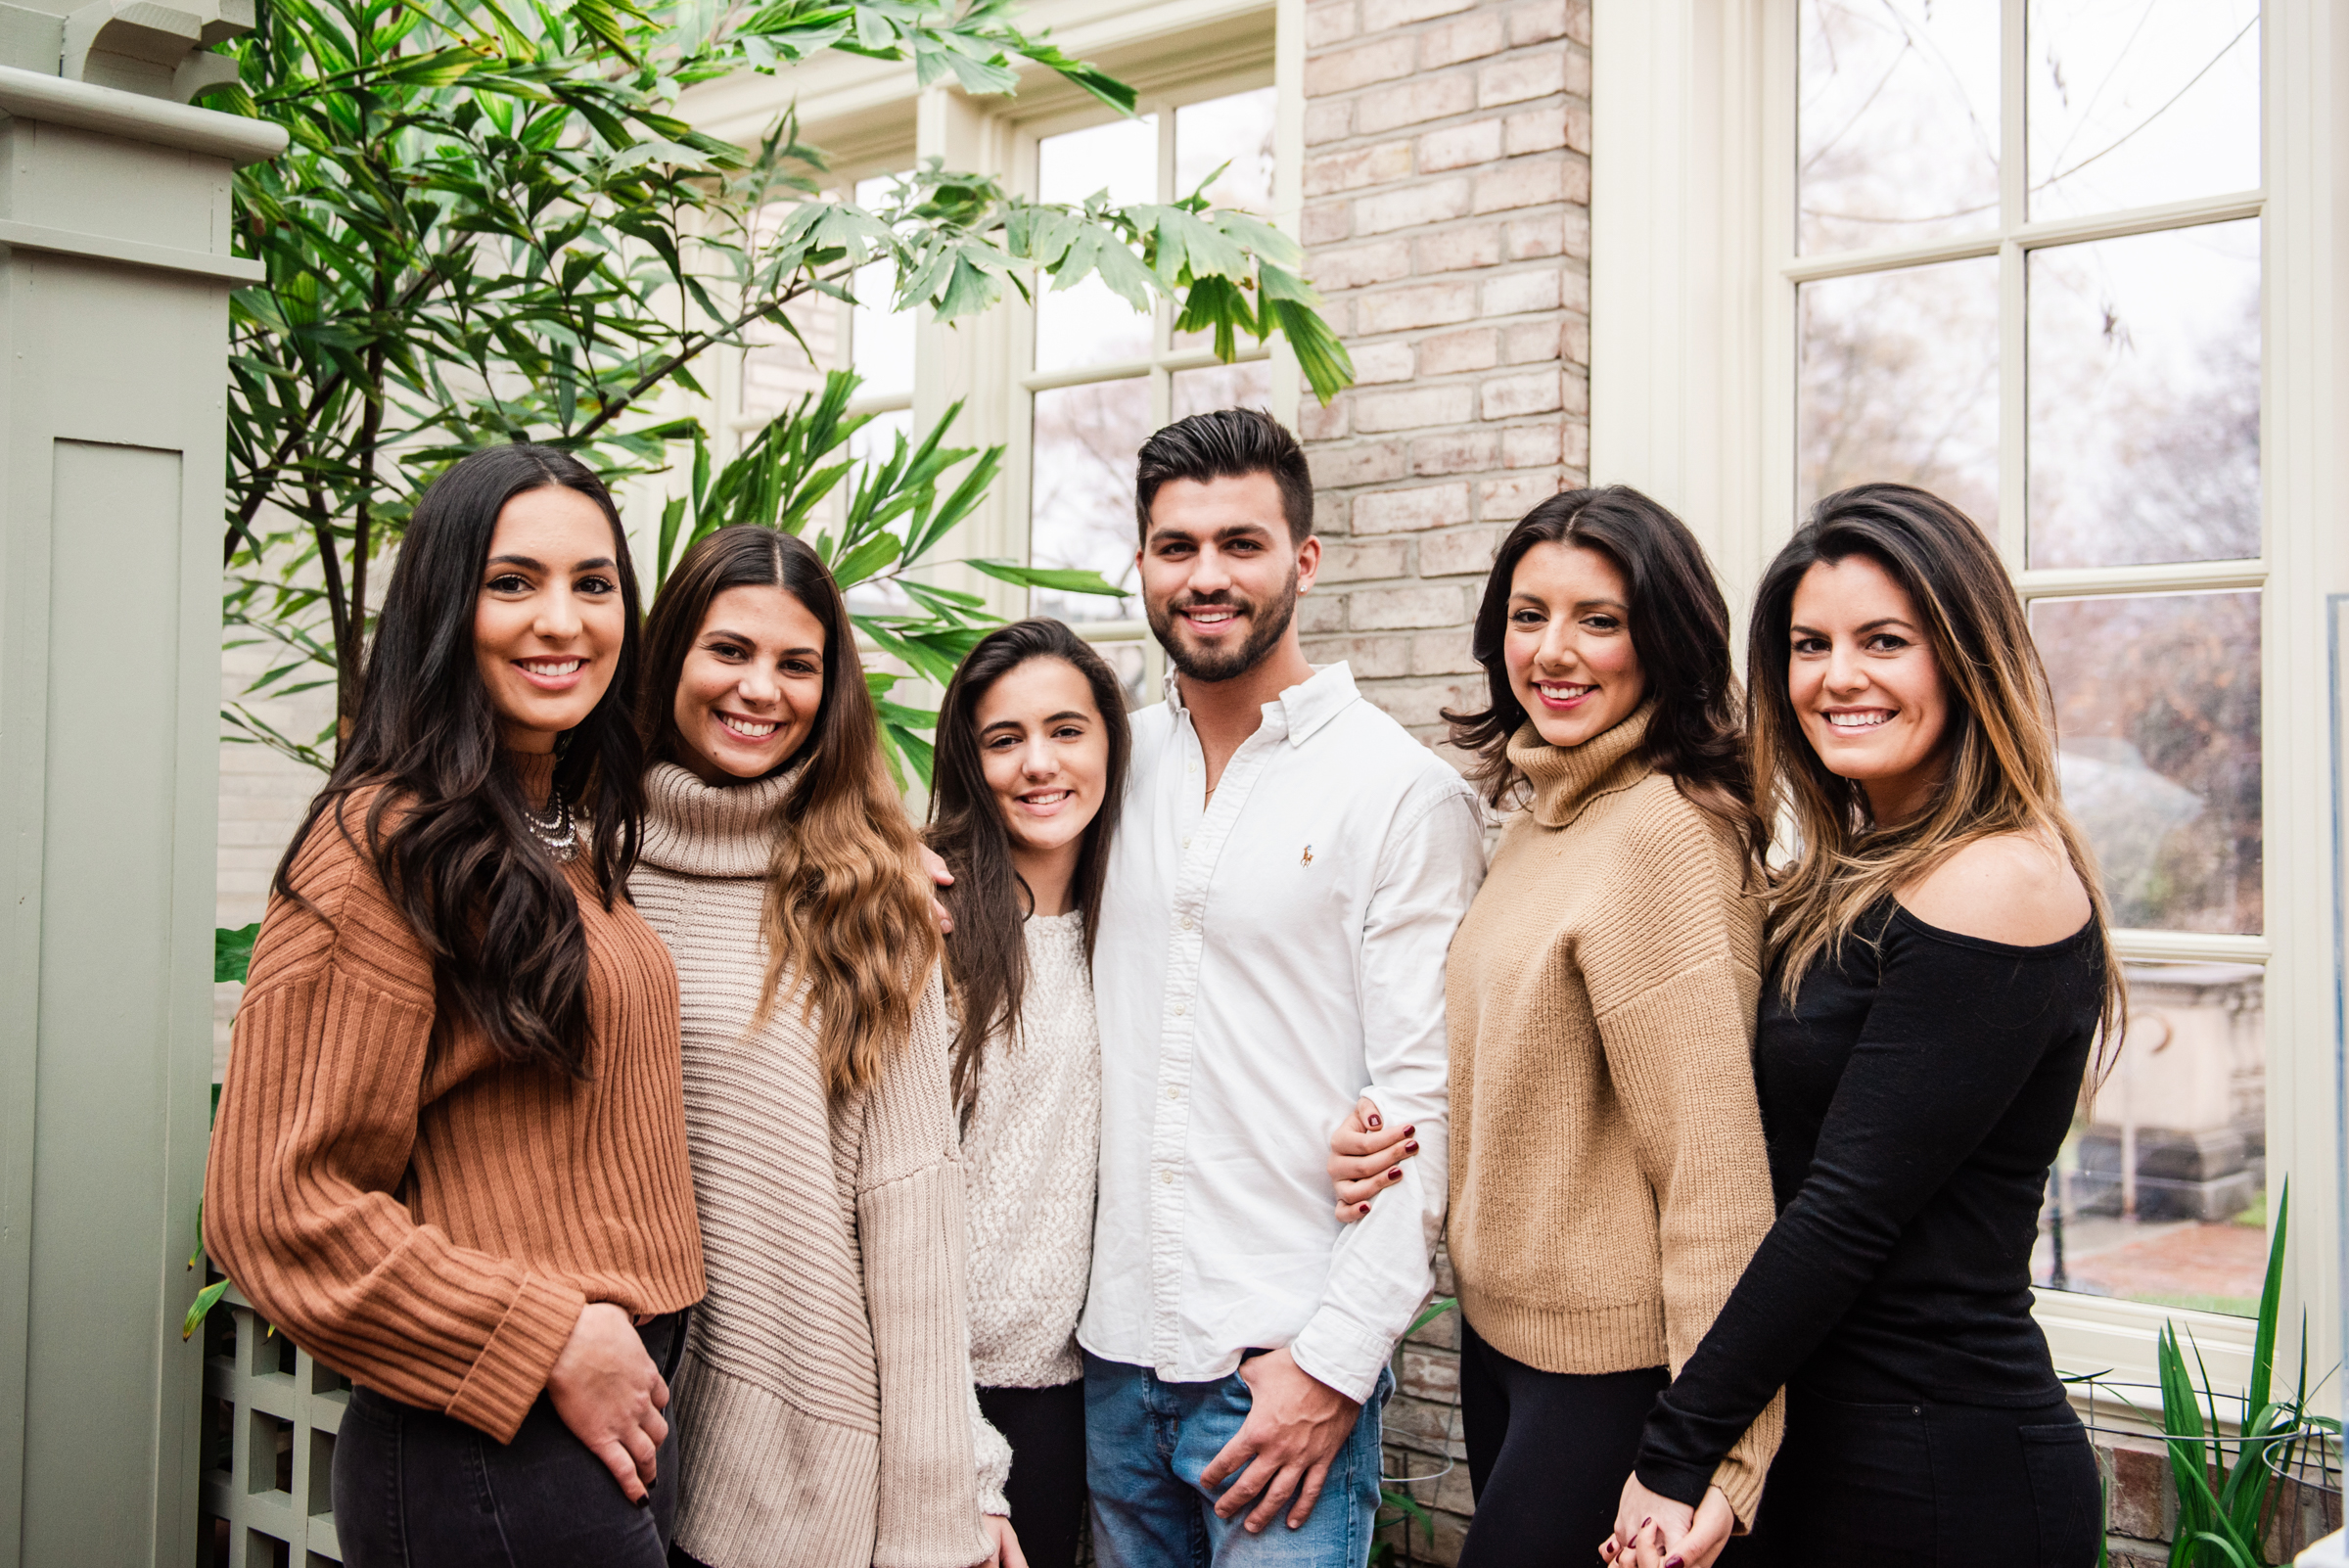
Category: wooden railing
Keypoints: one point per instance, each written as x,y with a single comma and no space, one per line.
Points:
270,1415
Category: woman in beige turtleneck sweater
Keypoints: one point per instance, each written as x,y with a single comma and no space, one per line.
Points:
1608,1179
824,1403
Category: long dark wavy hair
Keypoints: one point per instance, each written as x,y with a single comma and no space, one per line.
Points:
1679,625
988,957
448,826
848,909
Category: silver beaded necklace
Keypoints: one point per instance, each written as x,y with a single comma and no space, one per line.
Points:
555,830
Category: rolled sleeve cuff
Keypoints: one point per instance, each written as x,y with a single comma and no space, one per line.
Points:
510,1371
1347,1357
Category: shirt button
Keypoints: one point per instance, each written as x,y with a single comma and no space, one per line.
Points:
1186,841
1166,1179
1181,1009
1173,1093
1186,922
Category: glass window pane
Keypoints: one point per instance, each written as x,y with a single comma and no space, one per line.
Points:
1081,508
2135,103
1131,666
880,339
873,442
1897,130
2158,706
1200,392
1899,379
1087,324
2144,398
1235,133
2160,1194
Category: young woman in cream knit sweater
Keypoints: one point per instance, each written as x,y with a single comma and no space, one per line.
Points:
825,1408
1032,746
1608,1177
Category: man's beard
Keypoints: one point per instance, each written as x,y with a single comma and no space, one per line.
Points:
1196,664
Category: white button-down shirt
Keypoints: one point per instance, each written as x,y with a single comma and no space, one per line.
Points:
1262,958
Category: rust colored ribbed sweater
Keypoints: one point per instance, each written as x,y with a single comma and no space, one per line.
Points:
435,1235
1608,1175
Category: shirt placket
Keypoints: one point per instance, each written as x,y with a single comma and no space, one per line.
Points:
1202,828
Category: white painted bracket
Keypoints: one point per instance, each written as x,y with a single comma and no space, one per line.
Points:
152,46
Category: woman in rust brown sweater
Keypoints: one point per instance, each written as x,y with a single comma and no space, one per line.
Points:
450,1158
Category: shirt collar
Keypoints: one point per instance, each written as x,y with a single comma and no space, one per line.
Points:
1296,713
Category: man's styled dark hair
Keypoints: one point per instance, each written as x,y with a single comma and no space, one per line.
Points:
1226,443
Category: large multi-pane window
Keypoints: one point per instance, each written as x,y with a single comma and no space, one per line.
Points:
1099,376
2027,275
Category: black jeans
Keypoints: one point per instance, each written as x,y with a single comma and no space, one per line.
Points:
1928,1486
1547,1455
417,1489
1045,1428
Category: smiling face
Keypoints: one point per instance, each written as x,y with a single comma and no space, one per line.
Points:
549,621
1046,756
1568,650
750,687
1220,575
1866,685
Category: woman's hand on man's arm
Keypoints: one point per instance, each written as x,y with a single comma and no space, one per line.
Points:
1365,1159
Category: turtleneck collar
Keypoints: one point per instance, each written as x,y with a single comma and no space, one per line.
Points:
701,830
1566,779
534,772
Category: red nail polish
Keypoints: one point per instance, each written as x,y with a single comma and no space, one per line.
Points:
1395,1175
1376,1124
1411,1148
1645,1523
1362,1207
1672,1562
1408,1131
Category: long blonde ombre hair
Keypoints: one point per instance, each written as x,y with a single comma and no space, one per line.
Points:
2001,743
848,910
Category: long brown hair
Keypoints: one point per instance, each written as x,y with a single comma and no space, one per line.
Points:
1679,625
988,959
483,894
2000,741
846,908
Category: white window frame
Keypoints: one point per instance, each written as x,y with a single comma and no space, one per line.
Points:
1694,376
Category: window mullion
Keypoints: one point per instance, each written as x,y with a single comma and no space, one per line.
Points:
2014,201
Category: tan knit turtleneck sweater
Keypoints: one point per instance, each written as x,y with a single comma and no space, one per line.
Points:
433,1230
1608,1177
826,1413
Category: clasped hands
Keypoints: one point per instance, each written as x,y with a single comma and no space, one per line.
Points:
1650,1531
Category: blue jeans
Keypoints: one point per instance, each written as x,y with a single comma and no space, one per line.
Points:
1147,1442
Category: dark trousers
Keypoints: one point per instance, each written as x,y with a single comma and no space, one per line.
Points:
1928,1486
417,1489
1045,1428
1547,1455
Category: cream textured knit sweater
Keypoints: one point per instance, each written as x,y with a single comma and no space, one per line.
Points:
1608,1175
824,1406
1030,1150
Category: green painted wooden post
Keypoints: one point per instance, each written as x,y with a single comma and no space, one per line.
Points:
115,275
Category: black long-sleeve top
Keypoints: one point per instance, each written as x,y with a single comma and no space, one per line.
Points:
1913,1098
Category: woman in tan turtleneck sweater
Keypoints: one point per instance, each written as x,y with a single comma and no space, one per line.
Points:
450,1155
1608,1179
825,1400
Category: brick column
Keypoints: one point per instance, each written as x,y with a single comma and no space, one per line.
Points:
1446,186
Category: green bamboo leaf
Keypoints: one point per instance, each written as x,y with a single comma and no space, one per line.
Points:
205,1299
1062,579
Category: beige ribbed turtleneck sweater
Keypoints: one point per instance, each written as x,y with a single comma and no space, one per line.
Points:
825,1412
1608,1177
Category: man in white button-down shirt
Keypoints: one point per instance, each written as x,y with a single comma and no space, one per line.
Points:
1287,872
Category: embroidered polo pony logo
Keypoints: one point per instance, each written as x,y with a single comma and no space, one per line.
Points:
1306,858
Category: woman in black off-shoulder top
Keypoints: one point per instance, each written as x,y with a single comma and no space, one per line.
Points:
1939,982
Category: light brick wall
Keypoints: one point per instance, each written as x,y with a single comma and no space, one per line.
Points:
1447,189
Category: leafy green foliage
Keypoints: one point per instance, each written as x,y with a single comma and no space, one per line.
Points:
494,224
894,510
2225,1526
232,951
